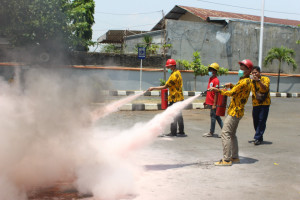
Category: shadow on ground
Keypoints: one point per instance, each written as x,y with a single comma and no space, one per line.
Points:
264,142
246,160
161,167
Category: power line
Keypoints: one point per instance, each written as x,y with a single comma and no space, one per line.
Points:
248,8
145,13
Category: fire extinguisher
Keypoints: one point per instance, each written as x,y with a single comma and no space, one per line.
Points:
221,104
164,98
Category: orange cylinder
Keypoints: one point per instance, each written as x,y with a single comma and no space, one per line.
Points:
221,104
164,98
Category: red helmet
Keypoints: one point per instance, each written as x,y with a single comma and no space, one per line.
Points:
170,62
248,63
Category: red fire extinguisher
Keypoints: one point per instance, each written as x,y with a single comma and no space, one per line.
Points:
221,104
164,98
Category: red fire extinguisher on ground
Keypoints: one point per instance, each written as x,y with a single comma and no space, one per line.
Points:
164,98
221,104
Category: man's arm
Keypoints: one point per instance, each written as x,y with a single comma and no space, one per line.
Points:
157,88
264,86
215,100
236,89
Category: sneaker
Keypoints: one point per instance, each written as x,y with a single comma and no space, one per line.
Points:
207,135
223,162
181,135
257,142
235,160
217,135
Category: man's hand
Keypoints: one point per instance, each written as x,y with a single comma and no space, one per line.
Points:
213,89
214,107
150,88
255,78
228,85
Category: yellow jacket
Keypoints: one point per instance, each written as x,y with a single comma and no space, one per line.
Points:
266,81
174,84
240,94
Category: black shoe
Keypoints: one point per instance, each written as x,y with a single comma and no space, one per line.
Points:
257,142
181,134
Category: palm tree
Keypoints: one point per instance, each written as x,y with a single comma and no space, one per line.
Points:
281,54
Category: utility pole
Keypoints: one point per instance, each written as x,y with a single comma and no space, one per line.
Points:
261,35
164,41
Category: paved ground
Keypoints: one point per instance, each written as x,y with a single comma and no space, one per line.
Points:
182,168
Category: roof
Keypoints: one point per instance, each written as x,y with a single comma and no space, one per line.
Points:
205,14
116,36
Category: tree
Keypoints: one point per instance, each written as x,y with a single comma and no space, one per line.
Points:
281,54
63,24
82,18
198,68
35,22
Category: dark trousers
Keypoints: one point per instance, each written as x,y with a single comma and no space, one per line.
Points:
213,119
260,116
177,120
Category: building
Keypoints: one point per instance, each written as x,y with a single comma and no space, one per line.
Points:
221,37
116,37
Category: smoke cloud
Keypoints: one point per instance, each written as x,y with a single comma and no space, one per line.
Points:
46,136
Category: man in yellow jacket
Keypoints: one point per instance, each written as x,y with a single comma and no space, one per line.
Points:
174,83
261,103
239,93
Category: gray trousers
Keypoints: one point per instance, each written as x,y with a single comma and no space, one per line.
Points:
229,139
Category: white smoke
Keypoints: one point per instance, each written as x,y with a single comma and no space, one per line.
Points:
46,136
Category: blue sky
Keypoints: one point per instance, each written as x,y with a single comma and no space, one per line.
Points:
143,15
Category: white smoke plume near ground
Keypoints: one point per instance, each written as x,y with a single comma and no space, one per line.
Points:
113,107
121,173
143,134
46,137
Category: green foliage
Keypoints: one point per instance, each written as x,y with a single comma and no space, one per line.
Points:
197,66
147,40
185,64
167,46
81,16
281,54
33,22
162,82
222,71
67,23
151,49
110,48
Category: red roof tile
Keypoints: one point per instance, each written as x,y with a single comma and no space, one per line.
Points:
205,13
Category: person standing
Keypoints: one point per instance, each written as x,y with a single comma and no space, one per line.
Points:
174,83
261,102
211,99
240,94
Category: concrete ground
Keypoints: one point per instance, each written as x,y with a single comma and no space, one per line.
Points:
182,168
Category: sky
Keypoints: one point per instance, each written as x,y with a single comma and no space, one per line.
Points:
144,15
